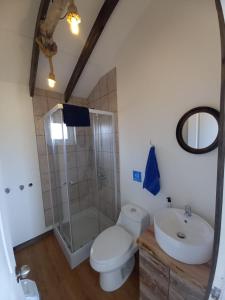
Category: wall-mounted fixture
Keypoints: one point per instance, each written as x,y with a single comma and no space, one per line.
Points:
21,187
51,76
47,27
137,176
73,18
7,190
197,130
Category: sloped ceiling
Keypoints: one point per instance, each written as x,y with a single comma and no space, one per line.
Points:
103,57
69,46
106,52
17,24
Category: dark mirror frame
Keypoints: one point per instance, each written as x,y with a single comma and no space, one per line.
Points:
182,121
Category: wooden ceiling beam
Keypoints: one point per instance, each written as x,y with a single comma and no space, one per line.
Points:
35,51
99,24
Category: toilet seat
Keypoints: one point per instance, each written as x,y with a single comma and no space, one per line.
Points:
110,248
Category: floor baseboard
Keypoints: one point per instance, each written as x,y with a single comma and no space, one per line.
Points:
32,241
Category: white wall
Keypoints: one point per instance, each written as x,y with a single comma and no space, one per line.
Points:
10,289
18,151
169,64
18,155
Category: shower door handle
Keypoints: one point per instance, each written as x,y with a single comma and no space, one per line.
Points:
72,182
101,176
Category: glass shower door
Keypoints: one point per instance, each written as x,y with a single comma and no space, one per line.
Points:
56,138
82,177
105,169
91,182
81,185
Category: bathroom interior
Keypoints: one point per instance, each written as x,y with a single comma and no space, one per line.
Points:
111,124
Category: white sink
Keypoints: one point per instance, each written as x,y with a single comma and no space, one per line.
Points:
187,239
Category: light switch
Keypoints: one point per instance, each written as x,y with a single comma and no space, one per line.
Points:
136,176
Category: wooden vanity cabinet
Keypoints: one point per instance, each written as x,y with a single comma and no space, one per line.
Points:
181,288
160,282
154,277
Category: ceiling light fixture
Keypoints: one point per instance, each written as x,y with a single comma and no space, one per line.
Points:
51,76
47,27
73,18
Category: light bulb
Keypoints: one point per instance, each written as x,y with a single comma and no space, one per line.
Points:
51,80
51,83
74,26
73,18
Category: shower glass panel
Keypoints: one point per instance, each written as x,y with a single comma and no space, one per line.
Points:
56,140
105,169
82,176
81,186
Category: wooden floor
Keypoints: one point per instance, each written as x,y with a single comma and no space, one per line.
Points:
56,281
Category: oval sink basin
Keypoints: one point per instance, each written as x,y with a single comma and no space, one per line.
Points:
187,239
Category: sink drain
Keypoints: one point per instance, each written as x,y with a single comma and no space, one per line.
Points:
181,235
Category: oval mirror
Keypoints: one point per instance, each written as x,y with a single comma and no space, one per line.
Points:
197,130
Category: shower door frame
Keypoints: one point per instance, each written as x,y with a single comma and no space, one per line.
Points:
58,224
58,234
101,112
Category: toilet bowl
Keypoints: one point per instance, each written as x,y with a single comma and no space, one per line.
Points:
112,253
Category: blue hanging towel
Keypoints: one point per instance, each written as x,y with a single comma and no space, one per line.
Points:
152,176
74,115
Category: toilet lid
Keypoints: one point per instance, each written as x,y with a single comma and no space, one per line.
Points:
111,244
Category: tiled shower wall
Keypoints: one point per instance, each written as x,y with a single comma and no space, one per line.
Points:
104,97
43,101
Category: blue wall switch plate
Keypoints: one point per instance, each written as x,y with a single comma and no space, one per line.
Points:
137,176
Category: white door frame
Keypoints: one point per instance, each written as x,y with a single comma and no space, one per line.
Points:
10,289
216,286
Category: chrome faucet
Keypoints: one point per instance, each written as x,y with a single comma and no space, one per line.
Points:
187,210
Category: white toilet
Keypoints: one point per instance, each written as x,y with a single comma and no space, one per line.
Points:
112,253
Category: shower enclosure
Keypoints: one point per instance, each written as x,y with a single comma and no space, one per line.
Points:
83,183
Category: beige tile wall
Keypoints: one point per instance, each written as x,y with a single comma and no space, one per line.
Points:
43,101
104,97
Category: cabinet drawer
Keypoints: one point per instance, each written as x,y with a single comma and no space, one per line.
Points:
182,289
154,277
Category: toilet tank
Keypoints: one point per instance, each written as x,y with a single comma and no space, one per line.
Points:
134,219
